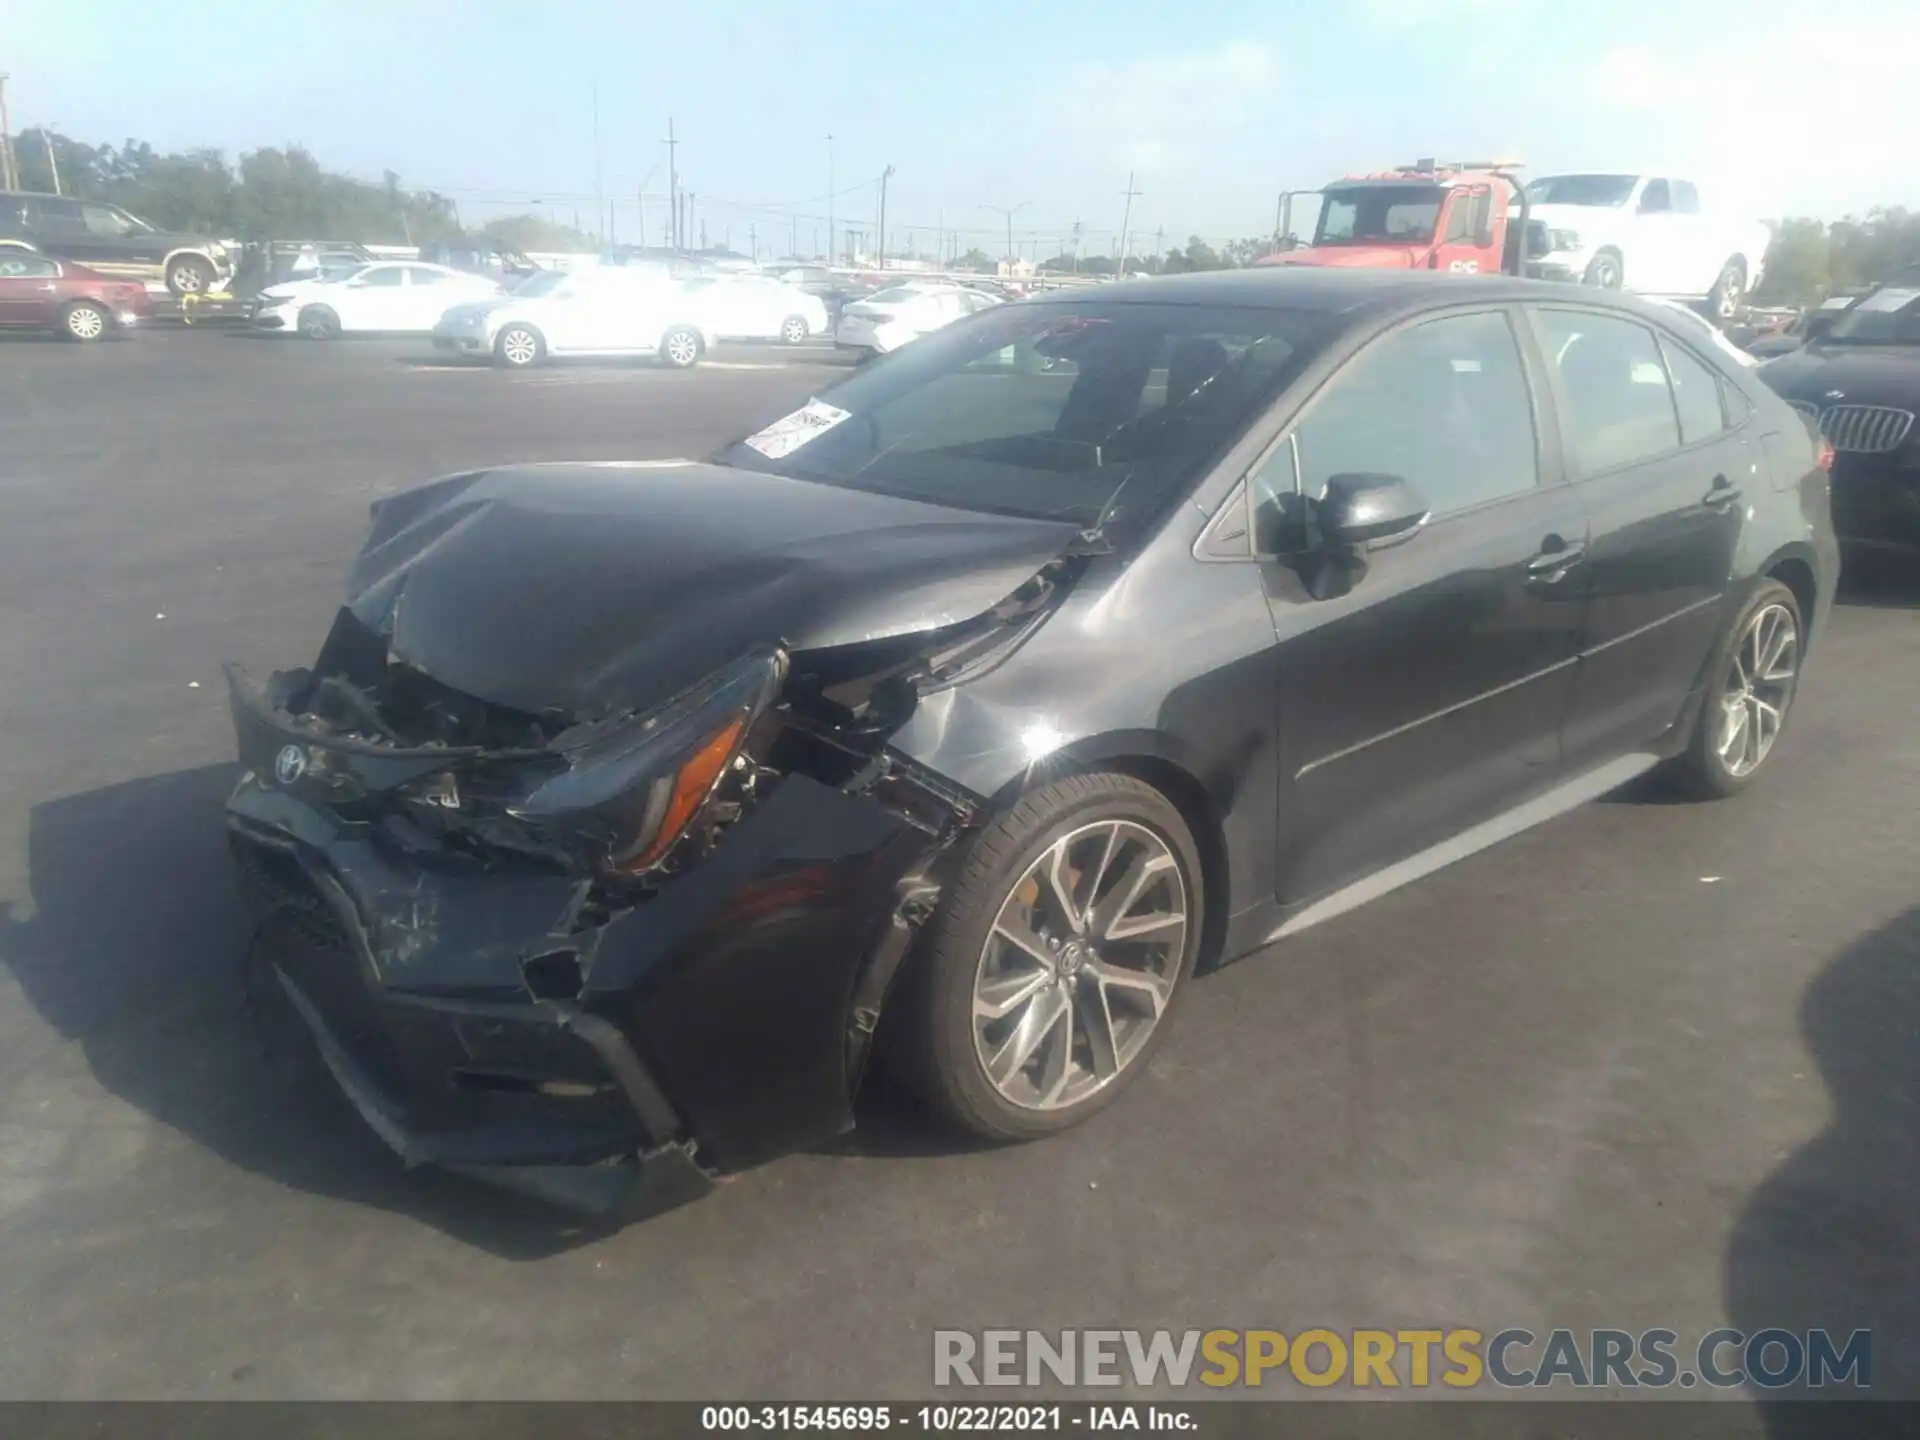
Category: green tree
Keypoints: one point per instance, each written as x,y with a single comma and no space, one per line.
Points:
525,234
975,259
1796,264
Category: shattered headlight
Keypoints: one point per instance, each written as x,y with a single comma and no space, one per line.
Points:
633,786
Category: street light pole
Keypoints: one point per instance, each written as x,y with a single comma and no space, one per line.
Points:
830,241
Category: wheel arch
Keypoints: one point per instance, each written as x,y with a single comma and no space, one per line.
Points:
1792,566
1156,759
197,252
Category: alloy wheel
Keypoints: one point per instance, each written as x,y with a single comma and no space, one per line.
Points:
86,323
794,331
1758,690
682,348
519,347
1080,965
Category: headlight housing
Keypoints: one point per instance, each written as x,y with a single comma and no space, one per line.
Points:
1564,239
632,787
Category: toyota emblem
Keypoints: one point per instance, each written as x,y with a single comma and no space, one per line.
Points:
290,764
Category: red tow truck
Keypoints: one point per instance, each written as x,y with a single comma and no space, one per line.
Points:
1466,218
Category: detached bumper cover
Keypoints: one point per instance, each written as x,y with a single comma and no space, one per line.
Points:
708,1028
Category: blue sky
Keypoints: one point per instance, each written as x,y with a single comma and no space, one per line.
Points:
1214,108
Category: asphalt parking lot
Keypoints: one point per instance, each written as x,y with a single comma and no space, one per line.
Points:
1650,1065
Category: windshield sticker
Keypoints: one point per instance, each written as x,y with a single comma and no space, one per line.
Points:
802,427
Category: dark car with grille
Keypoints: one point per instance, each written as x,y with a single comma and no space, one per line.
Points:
1861,386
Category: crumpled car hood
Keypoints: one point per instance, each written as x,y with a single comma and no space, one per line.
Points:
594,589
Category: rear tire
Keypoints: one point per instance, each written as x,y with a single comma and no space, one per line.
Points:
1728,291
518,347
1089,994
318,322
681,347
85,321
1755,677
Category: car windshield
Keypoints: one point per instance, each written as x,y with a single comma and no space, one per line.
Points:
1886,317
1611,190
1046,411
542,282
898,295
1354,215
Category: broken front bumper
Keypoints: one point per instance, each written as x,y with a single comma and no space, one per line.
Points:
485,1014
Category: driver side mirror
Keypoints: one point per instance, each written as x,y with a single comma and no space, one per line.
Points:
1359,509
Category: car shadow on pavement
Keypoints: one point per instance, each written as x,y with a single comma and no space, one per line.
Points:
132,949
1831,1239
1880,582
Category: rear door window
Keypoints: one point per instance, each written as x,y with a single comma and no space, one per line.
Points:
1613,383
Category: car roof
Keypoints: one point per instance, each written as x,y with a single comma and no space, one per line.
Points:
1307,287
1329,289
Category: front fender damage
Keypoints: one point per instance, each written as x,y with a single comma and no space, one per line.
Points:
495,1000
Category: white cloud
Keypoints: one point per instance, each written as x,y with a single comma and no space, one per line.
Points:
1152,113
1813,114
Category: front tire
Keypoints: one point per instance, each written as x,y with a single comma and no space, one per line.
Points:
1605,272
84,321
318,322
794,330
519,346
1755,679
681,347
1046,978
190,275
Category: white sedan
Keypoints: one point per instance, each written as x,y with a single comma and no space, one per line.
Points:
757,307
609,310
396,297
885,321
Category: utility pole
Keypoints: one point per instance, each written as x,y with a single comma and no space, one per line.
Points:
46,139
673,183
1076,247
1160,241
753,242
1126,220
9,172
1010,211
686,234
885,175
829,195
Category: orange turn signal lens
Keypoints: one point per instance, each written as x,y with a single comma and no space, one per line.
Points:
691,787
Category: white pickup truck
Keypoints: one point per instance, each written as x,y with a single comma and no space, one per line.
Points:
1645,233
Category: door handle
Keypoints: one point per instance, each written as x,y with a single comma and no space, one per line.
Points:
1723,494
49,287
1555,559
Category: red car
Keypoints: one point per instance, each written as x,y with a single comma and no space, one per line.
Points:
38,293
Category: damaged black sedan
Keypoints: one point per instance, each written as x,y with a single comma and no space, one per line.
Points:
962,712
